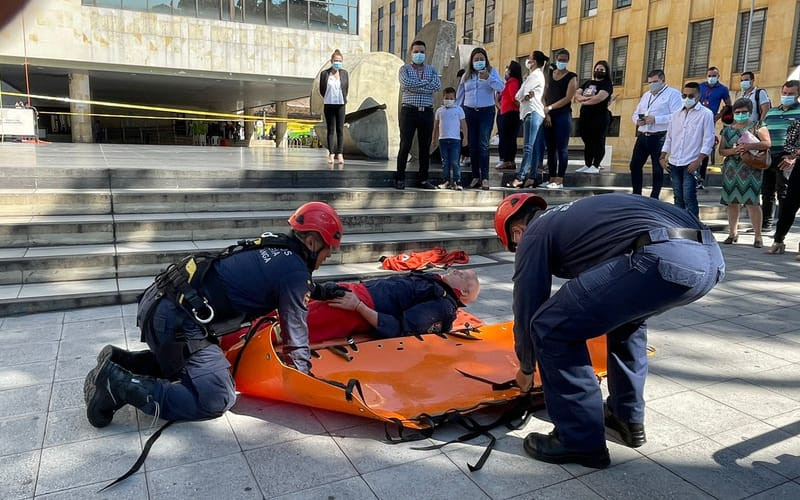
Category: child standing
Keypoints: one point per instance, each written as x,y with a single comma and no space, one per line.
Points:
450,129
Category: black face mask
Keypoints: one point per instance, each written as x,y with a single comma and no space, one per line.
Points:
599,75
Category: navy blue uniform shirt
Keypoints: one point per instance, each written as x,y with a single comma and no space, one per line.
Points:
410,305
257,282
568,239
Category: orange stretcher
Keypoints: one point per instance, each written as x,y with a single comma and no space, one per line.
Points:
409,381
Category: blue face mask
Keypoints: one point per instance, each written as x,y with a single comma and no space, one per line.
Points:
788,100
561,65
337,65
418,57
712,80
746,84
689,102
741,117
655,86
478,65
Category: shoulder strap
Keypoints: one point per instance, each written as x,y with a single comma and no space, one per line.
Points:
758,103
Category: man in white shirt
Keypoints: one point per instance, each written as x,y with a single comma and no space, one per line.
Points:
651,118
689,140
758,96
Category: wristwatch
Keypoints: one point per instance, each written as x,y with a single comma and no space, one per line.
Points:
549,108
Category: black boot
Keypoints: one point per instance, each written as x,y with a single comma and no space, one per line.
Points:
109,387
632,434
138,362
548,448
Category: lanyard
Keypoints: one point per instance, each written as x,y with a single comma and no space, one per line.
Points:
653,98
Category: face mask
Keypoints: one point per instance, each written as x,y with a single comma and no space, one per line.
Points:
448,103
741,117
712,80
478,65
418,57
746,84
788,100
507,77
689,102
561,65
599,75
529,64
656,86
337,65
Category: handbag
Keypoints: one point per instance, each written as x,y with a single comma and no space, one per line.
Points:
753,158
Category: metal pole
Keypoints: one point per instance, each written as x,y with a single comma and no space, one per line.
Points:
747,38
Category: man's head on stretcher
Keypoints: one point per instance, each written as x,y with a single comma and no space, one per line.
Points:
465,283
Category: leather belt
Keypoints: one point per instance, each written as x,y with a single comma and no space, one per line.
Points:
478,108
418,108
649,134
673,233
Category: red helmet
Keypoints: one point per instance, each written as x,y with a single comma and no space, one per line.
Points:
507,209
321,218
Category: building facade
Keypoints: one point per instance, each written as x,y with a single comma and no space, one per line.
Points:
217,55
682,37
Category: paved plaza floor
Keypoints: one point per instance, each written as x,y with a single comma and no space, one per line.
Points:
723,416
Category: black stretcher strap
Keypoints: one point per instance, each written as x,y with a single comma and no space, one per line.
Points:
142,456
495,386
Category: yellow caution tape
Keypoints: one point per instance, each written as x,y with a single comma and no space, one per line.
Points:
230,116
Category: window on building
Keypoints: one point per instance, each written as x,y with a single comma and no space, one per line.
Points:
298,14
380,29
796,54
451,10
434,10
418,17
404,30
135,4
114,4
210,9
656,51
255,10
469,19
525,16
699,47
619,59
589,8
748,51
618,4
392,25
488,22
560,12
585,61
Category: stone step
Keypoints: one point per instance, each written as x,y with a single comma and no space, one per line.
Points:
129,260
59,295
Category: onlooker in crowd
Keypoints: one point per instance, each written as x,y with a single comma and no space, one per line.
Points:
778,121
627,258
712,94
741,183
689,139
450,130
418,83
259,129
333,85
465,161
651,117
758,96
508,119
594,96
203,127
476,95
558,95
531,107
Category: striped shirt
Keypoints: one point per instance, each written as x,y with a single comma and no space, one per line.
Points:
777,122
418,84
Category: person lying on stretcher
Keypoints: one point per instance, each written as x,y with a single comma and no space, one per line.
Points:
408,304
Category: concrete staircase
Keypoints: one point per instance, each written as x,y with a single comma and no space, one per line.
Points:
91,237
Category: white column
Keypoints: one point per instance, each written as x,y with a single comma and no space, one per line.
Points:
81,124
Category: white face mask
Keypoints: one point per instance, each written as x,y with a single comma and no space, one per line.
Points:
448,103
529,64
689,102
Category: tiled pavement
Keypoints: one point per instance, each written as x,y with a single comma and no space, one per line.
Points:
723,416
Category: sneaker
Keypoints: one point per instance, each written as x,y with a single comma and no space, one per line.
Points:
458,187
700,185
553,185
485,184
592,170
582,169
444,185
475,183
426,185
500,165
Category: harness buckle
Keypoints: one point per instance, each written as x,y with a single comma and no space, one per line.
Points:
206,306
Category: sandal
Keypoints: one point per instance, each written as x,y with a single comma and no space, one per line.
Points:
515,184
778,248
731,239
758,243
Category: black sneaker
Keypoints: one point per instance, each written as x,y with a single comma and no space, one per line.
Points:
399,184
631,434
426,185
700,185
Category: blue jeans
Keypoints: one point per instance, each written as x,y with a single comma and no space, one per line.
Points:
450,149
557,136
614,297
533,148
479,131
684,187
